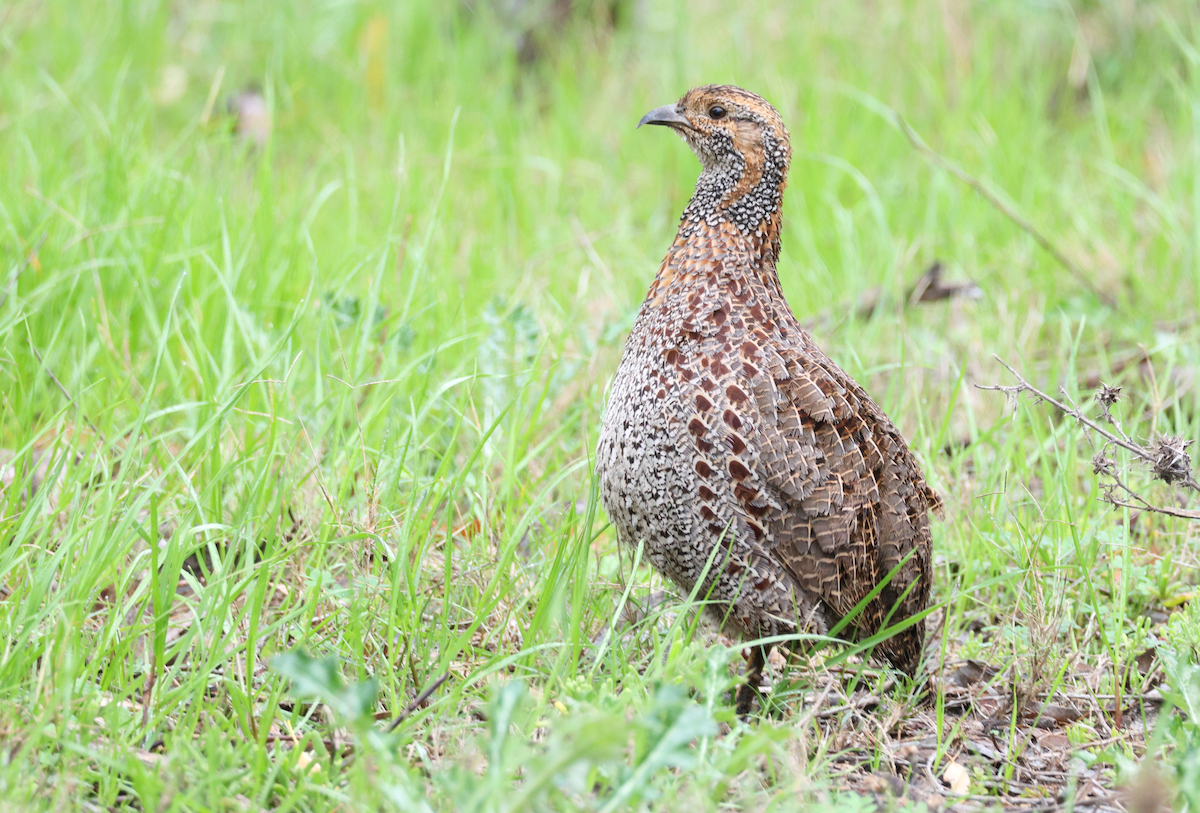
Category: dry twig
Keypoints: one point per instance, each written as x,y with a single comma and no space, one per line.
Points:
416,704
1167,458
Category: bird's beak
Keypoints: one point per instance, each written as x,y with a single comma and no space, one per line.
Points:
667,115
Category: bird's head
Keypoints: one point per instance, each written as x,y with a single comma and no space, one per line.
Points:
743,148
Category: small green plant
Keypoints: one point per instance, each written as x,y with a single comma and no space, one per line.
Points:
351,703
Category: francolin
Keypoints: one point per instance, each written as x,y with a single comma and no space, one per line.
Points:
733,449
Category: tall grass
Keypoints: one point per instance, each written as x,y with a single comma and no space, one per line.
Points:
336,395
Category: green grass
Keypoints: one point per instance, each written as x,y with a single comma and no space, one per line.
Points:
337,395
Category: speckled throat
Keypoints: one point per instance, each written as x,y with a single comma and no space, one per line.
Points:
746,191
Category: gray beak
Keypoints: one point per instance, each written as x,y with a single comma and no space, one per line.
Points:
666,115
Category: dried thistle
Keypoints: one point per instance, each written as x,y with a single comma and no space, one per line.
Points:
1172,463
1103,464
1167,458
1107,396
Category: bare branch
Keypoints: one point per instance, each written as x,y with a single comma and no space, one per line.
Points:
1139,502
1167,458
1025,386
416,704
1181,513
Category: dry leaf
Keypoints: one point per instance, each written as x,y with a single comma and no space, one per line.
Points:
251,115
1051,715
889,784
1056,741
957,778
972,672
305,761
148,758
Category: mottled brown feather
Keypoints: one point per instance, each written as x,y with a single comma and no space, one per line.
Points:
730,437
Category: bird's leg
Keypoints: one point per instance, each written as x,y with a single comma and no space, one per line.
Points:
927,695
749,690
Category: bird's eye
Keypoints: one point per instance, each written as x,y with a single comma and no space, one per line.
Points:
716,112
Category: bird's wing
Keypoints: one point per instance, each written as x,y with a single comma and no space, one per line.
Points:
849,501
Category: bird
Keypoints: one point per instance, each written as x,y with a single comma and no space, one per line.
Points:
744,462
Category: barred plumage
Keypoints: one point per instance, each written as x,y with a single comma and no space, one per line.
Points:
726,425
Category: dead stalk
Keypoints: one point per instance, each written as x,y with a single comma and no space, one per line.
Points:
1167,457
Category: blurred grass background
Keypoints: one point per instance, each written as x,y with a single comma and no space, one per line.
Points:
307,315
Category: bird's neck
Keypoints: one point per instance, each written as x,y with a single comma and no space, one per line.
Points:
747,193
711,258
